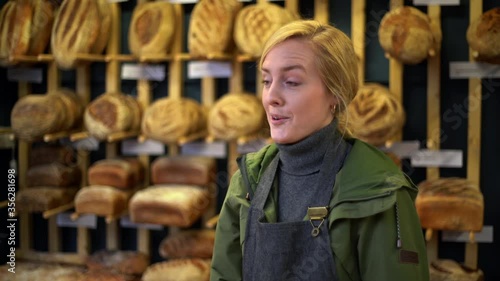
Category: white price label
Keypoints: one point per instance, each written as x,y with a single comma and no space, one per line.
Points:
216,69
127,223
459,70
404,149
146,72
436,2
25,74
437,158
148,147
485,236
86,220
216,149
91,144
252,146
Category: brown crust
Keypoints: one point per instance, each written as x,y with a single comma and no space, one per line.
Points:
482,36
183,170
125,262
101,200
43,19
54,174
47,154
40,199
119,173
178,270
188,244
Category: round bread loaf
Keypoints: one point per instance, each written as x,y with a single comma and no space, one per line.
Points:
375,115
407,34
152,28
15,26
125,262
73,107
178,270
236,115
168,119
44,12
256,23
483,36
106,19
211,26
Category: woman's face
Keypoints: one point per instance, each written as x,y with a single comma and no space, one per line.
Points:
294,96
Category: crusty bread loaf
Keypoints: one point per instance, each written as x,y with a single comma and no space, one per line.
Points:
168,119
194,243
450,270
53,174
236,115
483,36
255,23
106,19
15,26
125,262
152,28
211,26
101,200
51,153
43,198
178,270
450,204
172,205
375,115
123,173
192,170
110,113
73,109
408,35
44,12
42,271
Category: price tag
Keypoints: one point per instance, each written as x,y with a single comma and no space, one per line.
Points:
252,146
436,2
437,158
216,69
127,223
485,236
146,72
148,147
404,149
216,149
91,144
459,70
86,220
25,74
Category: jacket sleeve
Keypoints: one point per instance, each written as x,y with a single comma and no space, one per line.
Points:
227,256
378,254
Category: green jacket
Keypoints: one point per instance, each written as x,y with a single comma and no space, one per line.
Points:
372,201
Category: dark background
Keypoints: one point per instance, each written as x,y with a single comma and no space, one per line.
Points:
454,94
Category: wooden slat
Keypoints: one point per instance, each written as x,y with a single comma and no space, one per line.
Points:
396,73
208,91
175,85
358,24
113,48
53,77
24,148
63,258
112,235
321,11
55,235
292,6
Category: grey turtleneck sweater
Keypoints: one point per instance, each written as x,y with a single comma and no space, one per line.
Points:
298,172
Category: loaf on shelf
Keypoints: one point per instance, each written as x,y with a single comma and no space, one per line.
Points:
168,119
43,198
51,153
15,25
44,12
236,115
409,35
450,270
193,243
375,115
102,200
152,28
111,113
192,170
450,204
255,23
123,173
125,262
53,174
211,27
42,271
171,205
483,36
178,270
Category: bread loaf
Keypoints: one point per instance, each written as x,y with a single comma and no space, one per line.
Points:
125,262
123,173
40,199
168,119
178,270
450,204
15,26
53,174
152,28
111,113
106,19
450,270
50,153
236,115
483,36
101,200
255,23
194,243
73,109
211,26
42,271
172,205
408,35
44,12
375,115
191,170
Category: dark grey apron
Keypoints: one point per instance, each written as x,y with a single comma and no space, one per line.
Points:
288,250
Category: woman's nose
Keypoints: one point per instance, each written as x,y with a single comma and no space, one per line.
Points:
272,95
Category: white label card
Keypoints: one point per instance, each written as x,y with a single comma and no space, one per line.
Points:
437,2
216,69
127,223
485,236
216,149
148,147
86,220
404,149
437,158
465,70
91,144
25,74
252,146
147,72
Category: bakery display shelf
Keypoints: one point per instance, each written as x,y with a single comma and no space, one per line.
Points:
246,58
52,212
108,219
79,136
134,58
429,235
214,57
53,257
118,136
189,138
57,136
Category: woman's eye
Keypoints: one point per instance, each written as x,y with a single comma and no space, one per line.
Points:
292,83
265,82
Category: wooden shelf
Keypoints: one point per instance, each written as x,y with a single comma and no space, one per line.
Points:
210,57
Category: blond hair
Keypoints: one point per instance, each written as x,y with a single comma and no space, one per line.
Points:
334,57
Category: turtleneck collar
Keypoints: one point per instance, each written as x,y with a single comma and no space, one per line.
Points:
305,156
